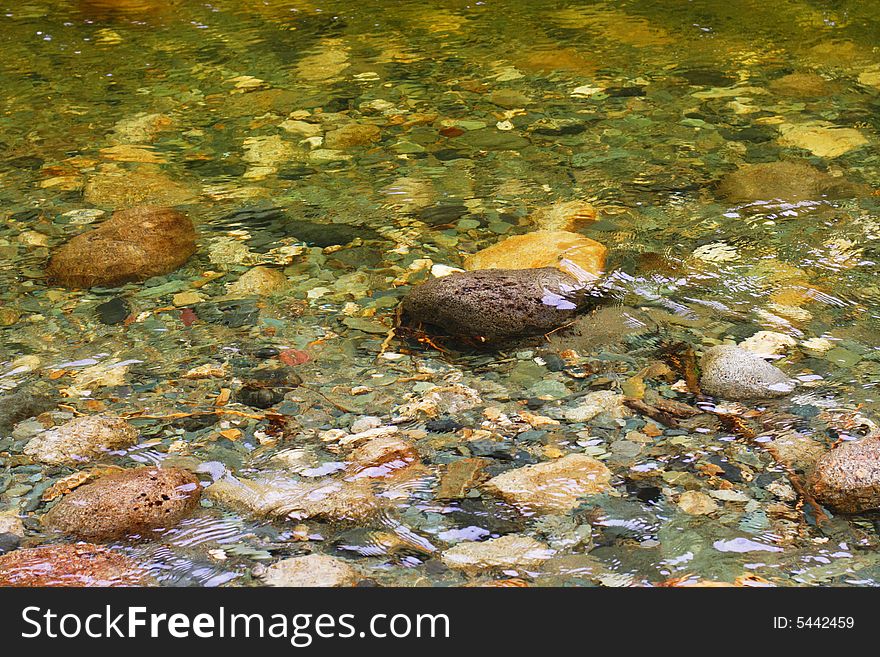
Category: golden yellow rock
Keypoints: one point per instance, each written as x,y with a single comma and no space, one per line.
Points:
824,140
571,253
564,215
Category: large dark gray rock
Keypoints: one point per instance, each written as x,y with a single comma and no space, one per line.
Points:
496,304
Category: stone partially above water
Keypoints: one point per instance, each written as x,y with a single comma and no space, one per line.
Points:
80,440
847,479
731,372
552,487
132,502
77,565
495,304
571,253
132,245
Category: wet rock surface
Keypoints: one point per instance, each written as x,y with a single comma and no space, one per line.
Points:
847,479
554,486
311,570
134,502
81,440
495,304
786,180
730,372
78,565
576,255
132,245
505,552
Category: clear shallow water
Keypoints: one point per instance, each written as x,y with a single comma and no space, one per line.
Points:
485,113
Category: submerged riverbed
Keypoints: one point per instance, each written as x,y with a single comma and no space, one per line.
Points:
332,157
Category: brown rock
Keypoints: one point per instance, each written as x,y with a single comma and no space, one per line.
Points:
847,479
114,186
353,134
460,476
132,502
570,253
801,85
496,304
78,565
132,245
554,486
564,215
788,181
384,450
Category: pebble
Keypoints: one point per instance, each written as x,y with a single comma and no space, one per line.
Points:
114,311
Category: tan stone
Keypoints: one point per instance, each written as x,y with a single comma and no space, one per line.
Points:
259,281
696,503
506,552
353,134
311,570
564,215
571,253
279,497
80,440
554,486
821,139
116,187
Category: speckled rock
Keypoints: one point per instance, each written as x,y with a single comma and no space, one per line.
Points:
788,181
128,503
132,245
734,373
78,565
847,479
506,552
495,304
311,570
81,440
552,487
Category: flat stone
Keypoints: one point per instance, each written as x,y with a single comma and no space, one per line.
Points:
506,552
571,253
554,486
77,565
311,570
259,281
